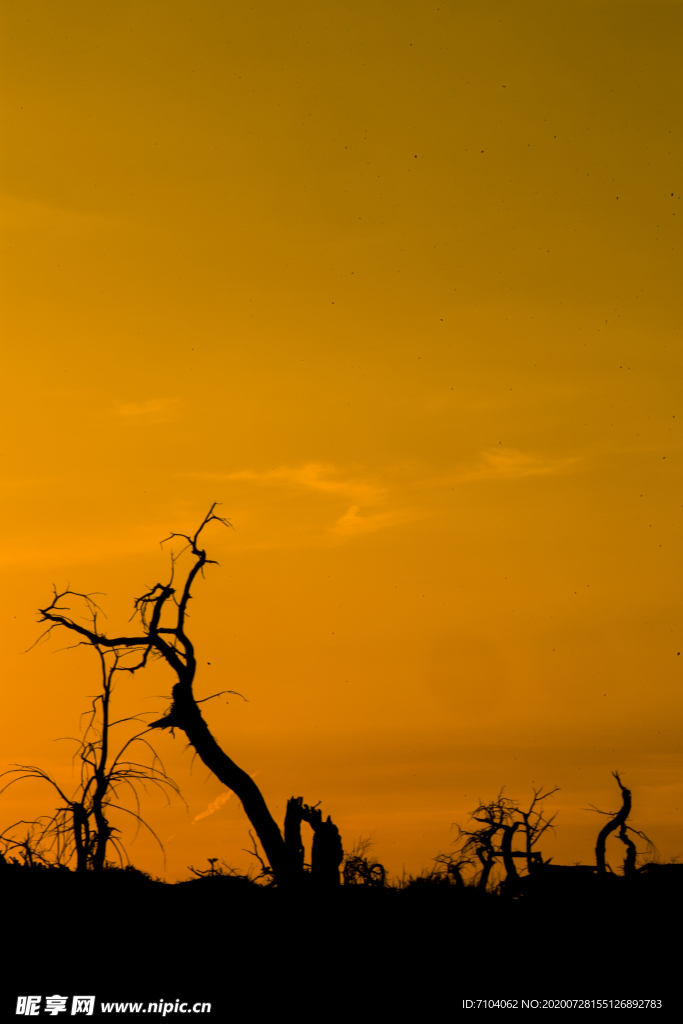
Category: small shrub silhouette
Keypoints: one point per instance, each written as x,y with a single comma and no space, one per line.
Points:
360,870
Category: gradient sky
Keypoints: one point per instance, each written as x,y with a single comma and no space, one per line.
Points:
399,285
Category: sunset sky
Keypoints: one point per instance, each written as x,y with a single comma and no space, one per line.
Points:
398,284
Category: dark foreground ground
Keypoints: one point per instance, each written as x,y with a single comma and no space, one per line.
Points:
370,953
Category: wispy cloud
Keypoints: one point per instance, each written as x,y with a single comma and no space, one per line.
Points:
154,410
221,799
315,476
364,502
354,522
512,464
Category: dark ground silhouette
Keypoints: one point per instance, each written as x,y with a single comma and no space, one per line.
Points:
362,949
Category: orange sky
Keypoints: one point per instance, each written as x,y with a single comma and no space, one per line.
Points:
398,284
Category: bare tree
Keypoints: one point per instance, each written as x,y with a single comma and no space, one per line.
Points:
81,825
618,821
502,820
451,867
497,819
162,613
535,825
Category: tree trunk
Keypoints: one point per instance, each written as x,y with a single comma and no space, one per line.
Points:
327,853
631,852
293,844
232,776
617,821
81,837
511,873
487,859
285,856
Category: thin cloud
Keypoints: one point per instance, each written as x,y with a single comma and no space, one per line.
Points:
363,500
156,410
512,464
215,806
353,522
315,476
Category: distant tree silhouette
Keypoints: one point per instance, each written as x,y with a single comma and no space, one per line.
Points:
579,879
618,821
453,866
535,825
504,824
81,826
485,843
162,614
502,820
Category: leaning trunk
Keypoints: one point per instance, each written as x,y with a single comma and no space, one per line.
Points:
285,856
232,776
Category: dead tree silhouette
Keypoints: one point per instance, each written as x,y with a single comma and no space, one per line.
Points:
81,826
502,821
574,880
618,821
162,613
505,824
